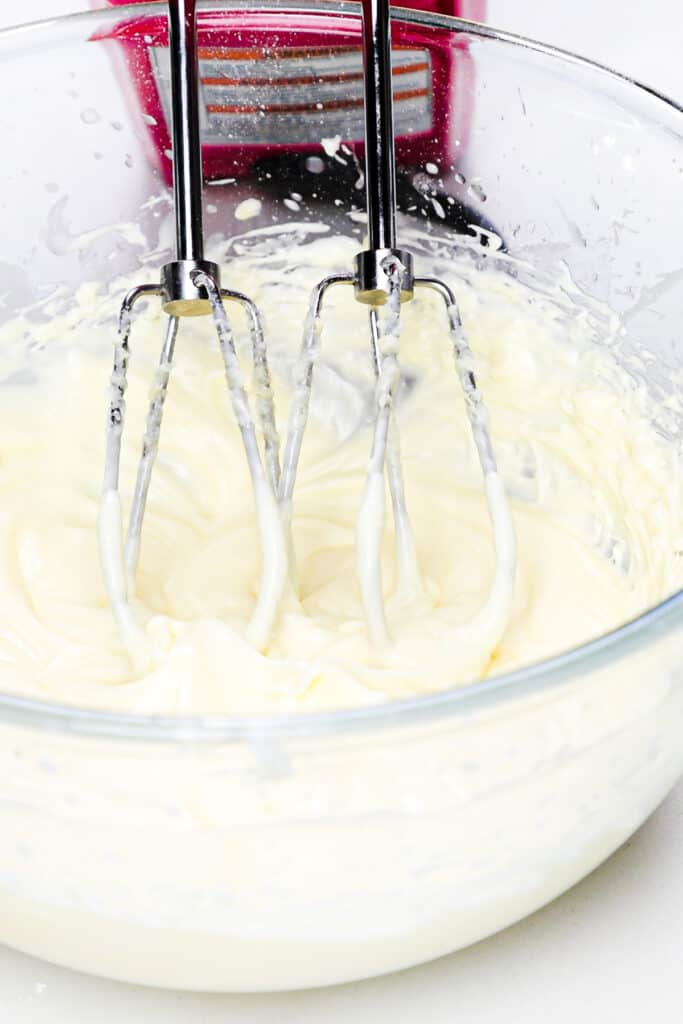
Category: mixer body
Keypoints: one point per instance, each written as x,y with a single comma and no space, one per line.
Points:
314,74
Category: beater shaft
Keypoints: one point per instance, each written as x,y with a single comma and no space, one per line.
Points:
187,154
380,170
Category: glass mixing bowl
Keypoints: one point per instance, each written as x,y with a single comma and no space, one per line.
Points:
278,852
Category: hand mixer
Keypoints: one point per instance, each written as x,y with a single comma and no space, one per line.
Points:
384,277
189,286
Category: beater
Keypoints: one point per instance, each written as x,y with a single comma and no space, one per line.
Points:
189,286
384,277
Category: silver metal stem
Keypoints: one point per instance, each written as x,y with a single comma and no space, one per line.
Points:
380,172
150,446
118,386
264,392
372,281
181,296
187,154
408,575
488,625
464,365
272,535
298,410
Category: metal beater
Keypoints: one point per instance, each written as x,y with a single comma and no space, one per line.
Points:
383,279
189,286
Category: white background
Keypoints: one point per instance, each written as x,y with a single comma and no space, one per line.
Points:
609,950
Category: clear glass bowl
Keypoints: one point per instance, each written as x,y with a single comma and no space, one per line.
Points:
279,852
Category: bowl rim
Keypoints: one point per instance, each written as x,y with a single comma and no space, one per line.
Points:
456,702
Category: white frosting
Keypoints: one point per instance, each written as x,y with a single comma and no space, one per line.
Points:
594,489
248,209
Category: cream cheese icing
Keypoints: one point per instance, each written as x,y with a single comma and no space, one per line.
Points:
595,493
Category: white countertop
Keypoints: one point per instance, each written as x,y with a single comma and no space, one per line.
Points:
609,950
